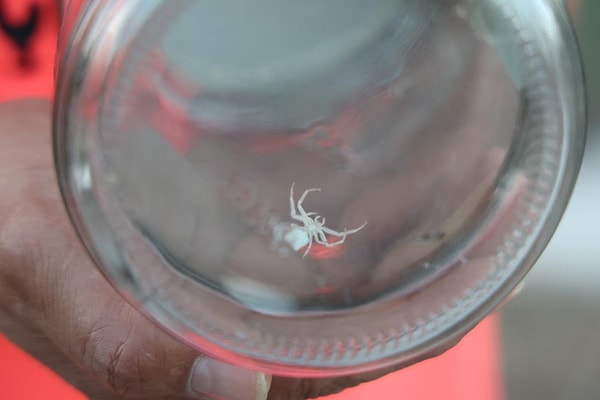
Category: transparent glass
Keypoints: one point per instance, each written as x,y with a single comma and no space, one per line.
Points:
321,187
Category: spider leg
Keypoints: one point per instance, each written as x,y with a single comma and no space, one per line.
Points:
308,247
319,219
337,243
321,238
344,233
299,218
303,197
351,231
332,232
293,212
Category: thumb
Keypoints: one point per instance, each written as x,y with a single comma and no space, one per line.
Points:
56,290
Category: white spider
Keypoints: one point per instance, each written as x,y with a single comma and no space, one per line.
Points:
313,228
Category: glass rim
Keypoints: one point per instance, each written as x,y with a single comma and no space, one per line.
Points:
71,158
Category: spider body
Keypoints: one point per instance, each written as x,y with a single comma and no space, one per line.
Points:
313,227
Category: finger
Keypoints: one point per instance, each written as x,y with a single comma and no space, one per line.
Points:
63,295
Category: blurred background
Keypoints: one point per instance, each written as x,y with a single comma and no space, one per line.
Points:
551,330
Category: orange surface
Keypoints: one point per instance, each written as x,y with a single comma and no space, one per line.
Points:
35,81
469,371
472,370
23,378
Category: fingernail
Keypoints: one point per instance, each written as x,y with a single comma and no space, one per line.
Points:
225,382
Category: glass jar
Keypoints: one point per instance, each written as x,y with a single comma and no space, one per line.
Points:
317,188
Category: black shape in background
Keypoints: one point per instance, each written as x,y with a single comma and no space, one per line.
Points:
21,33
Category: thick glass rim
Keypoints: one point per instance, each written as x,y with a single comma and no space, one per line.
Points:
89,52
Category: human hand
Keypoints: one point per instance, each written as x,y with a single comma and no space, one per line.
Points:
56,305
